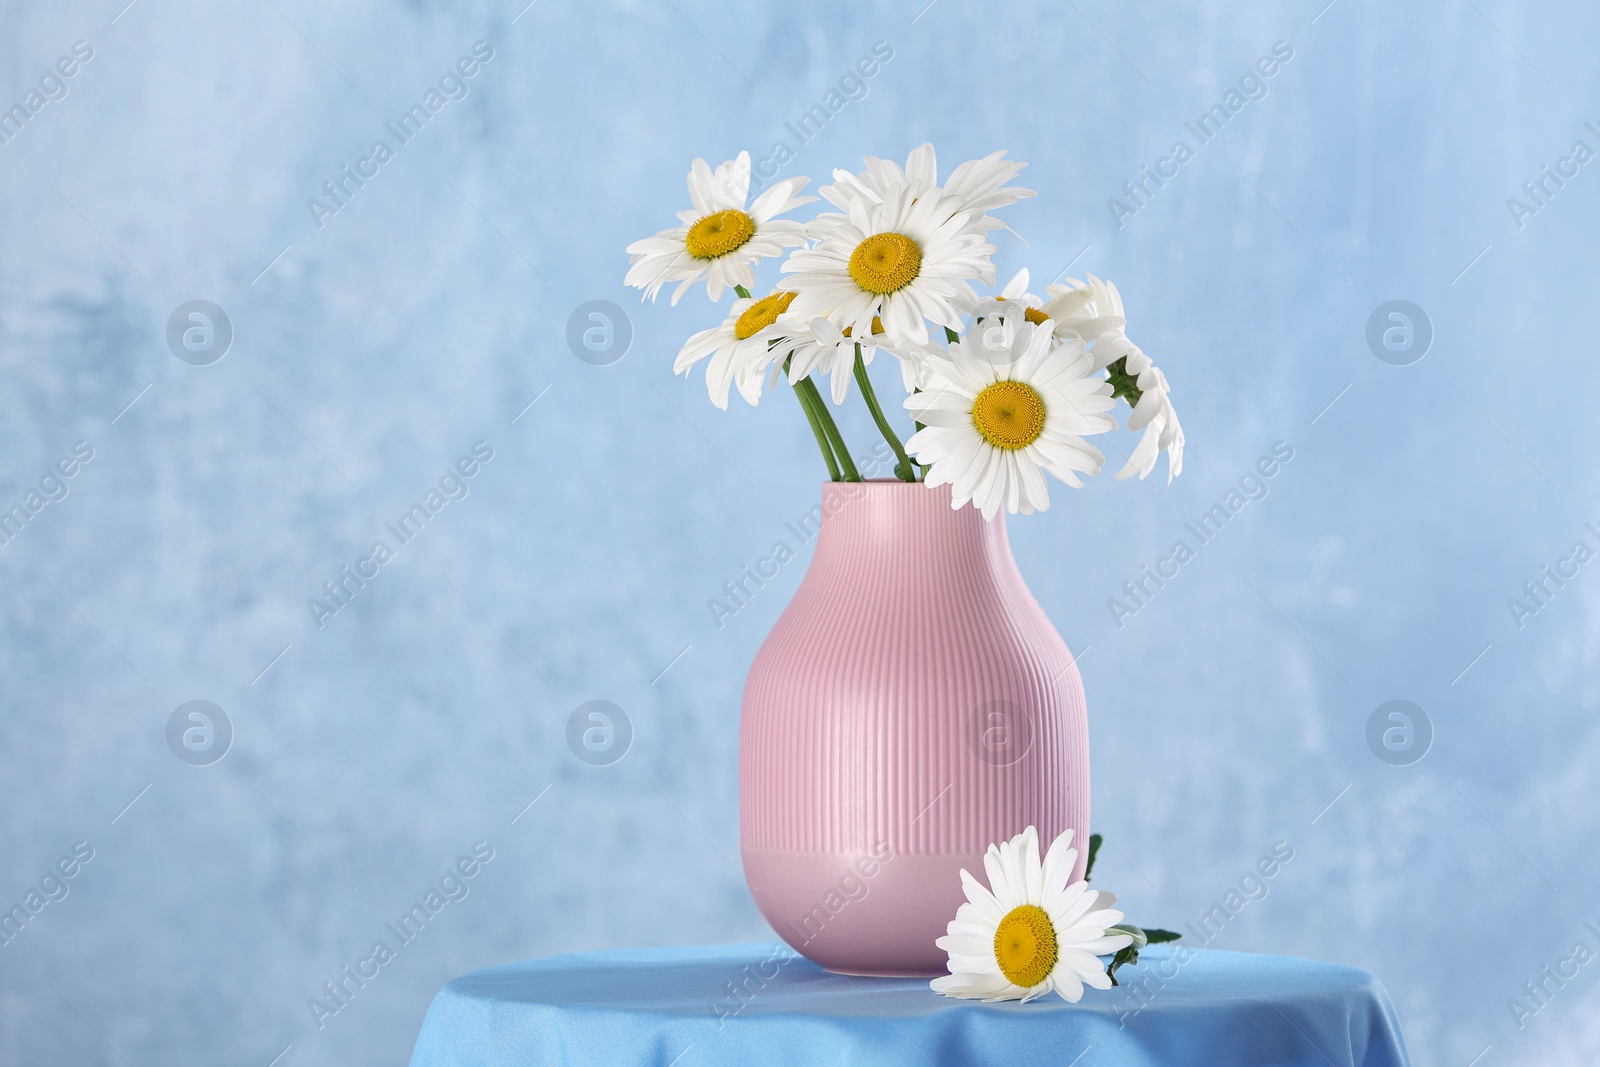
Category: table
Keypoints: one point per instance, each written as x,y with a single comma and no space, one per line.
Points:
762,1004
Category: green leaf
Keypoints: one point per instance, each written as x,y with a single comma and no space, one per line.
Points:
1124,386
1127,955
1141,938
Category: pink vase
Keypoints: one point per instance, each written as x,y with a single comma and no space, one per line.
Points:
912,705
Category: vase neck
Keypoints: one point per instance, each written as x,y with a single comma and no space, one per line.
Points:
883,523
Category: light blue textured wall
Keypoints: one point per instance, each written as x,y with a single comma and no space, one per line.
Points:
1227,714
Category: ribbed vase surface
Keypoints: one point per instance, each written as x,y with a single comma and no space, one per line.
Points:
912,705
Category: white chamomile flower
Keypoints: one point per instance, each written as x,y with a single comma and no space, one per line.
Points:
1002,406
1013,297
1029,932
1094,311
976,187
823,348
741,348
719,240
904,260
1142,384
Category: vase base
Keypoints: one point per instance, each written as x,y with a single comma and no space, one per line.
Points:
921,973
873,914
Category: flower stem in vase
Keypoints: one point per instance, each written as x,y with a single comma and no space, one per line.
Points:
809,388
903,468
816,428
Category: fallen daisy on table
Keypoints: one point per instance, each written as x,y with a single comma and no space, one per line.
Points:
1030,931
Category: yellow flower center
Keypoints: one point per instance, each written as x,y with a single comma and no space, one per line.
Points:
885,262
877,327
1025,946
1009,415
1033,315
761,314
718,234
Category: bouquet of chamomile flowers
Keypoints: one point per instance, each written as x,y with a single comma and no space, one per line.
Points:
1002,388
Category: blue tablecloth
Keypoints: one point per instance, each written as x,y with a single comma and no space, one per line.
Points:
762,1004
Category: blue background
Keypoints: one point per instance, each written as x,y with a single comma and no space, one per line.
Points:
1227,715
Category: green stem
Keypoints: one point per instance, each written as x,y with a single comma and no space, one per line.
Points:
903,469
816,428
952,337
822,423
835,438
